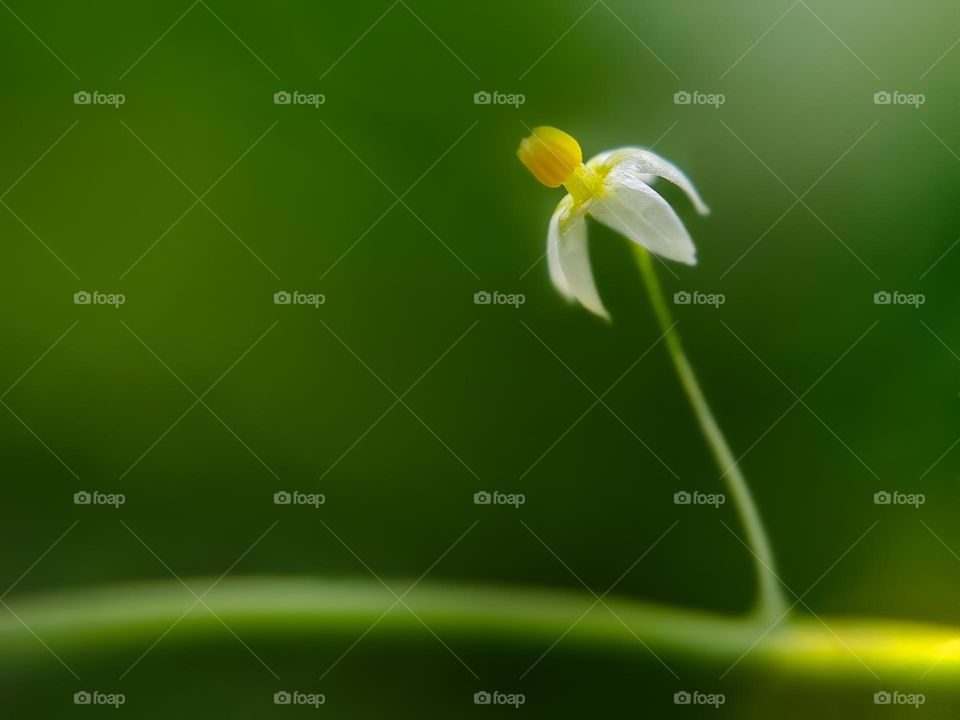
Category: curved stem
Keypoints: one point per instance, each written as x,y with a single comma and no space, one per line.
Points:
75,625
771,603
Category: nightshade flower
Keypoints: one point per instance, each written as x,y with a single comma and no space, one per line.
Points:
614,188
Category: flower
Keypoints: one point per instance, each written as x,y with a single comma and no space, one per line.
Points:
614,188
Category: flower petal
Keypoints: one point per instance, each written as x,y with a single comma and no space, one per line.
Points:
633,208
644,164
569,259
610,158
553,248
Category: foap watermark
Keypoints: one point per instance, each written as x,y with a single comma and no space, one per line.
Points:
499,298
714,300
514,100
85,97
296,97
95,497
697,97
499,498
495,697
895,697
95,697
894,497
295,297
296,697
696,697
896,297
885,97
95,297
683,497
314,500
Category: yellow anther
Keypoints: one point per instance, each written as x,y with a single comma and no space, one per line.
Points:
551,155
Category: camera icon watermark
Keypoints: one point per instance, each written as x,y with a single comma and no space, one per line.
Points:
95,297
696,97
296,697
895,97
714,500
314,500
495,297
895,697
895,297
95,97
495,697
695,697
884,497
515,100
295,297
714,300
295,97
95,697
496,497
95,497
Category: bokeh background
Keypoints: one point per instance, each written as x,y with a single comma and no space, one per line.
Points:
399,199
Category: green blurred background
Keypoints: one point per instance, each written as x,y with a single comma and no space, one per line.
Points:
293,207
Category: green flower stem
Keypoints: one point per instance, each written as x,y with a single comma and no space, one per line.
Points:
80,624
771,603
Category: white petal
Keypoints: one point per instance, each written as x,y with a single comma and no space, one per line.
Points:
644,164
633,208
553,248
569,259
612,157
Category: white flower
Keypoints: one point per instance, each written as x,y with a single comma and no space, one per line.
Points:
614,188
